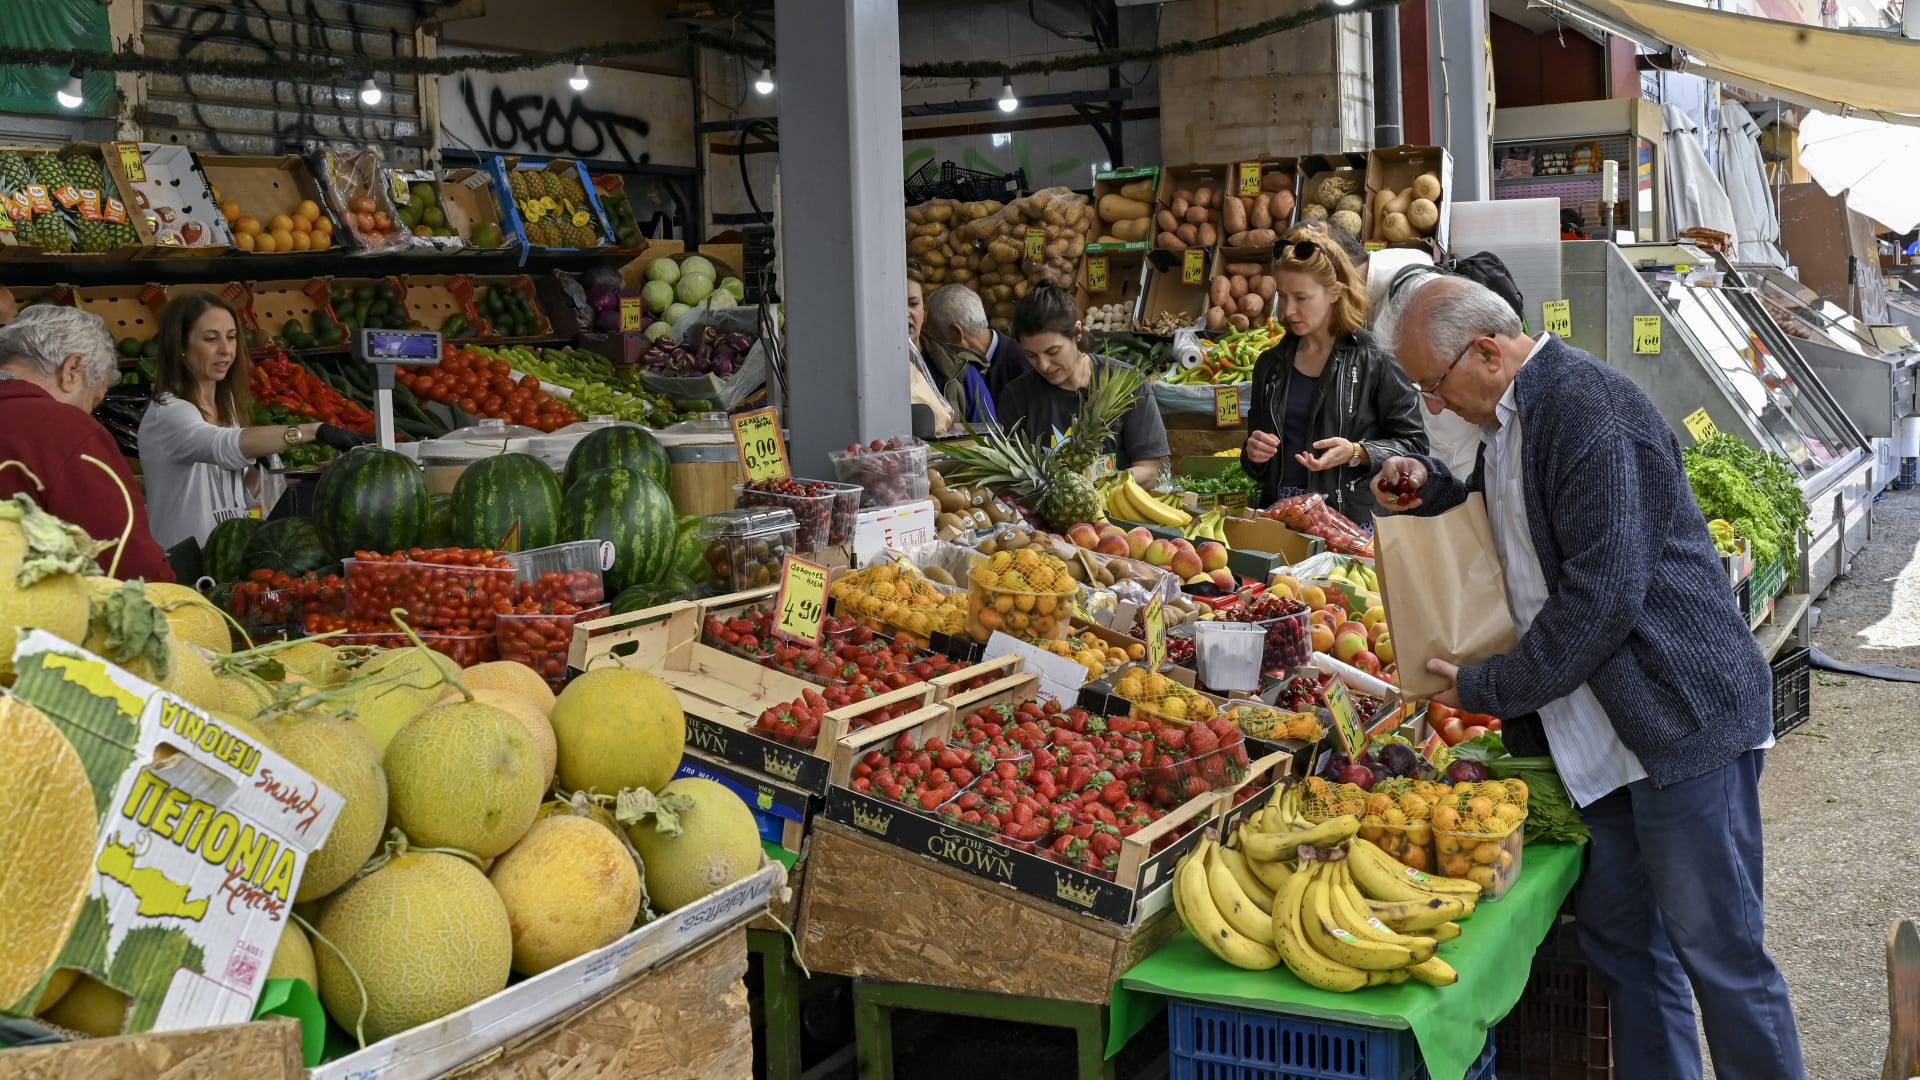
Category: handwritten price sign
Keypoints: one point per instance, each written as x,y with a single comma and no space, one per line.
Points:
1155,621
1193,266
1700,425
1097,273
1558,315
803,600
130,161
1646,335
1226,406
1346,719
1249,177
1036,244
630,311
763,454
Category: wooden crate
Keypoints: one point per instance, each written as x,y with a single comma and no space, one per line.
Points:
263,1050
874,910
688,1019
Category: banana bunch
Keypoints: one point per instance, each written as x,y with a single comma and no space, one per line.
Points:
1127,500
1335,909
1359,575
1208,526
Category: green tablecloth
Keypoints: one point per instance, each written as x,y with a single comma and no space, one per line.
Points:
1493,955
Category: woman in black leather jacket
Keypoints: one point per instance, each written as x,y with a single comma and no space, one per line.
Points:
1329,403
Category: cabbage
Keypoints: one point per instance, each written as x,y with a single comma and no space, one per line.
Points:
663,270
698,264
693,288
720,298
659,329
657,295
676,312
735,286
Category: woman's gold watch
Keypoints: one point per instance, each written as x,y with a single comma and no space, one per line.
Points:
1360,459
292,436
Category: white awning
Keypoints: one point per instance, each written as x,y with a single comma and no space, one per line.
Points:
1873,73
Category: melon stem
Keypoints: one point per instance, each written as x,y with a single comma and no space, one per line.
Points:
22,466
126,534
359,1022
399,616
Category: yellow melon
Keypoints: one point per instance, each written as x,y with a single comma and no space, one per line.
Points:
191,616
341,758
717,845
569,887
464,776
394,687
618,728
293,957
538,727
47,834
514,678
90,1007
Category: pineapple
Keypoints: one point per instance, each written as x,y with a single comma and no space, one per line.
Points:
85,172
1054,486
92,237
47,171
14,173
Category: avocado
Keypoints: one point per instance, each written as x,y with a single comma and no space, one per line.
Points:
363,294
329,335
129,347
150,350
303,340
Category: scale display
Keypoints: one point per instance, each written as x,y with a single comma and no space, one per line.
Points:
397,346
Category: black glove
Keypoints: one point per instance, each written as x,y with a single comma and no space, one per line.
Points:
340,438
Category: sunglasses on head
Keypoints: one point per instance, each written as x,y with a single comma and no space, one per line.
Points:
1300,251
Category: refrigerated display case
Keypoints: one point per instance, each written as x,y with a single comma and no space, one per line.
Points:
1870,370
1714,354
1556,151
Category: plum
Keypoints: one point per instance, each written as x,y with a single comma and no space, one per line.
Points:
1468,772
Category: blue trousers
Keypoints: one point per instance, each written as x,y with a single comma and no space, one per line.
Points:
1669,910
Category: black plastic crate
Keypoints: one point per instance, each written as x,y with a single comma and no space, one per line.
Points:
1792,690
1562,1027
1909,474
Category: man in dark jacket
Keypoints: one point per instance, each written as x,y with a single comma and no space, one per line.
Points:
956,316
1655,699
55,366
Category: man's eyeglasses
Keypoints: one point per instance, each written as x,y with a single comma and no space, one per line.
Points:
1431,394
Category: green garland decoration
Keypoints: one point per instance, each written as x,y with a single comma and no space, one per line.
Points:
355,69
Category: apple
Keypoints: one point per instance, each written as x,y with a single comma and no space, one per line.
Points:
1347,646
1351,627
1376,631
1356,774
1322,637
1187,564
1365,661
1291,582
1453,731
1471,732
1083,535
1138,541
1197,579
1213,554
1383,648
1225,579
1281,588
1158,553
1375,615
1114,545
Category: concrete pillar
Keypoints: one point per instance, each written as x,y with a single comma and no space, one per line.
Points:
1306,91
840,170
1462,94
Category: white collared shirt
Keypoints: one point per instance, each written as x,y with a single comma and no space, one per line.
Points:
1588,753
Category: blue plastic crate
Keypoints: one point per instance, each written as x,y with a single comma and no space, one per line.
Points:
1212,1042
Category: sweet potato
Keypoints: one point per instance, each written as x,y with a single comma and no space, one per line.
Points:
1209,234
1238,321
1236,286
1244,269
1251,305
1280,205
1166,221
1260,238
1220,292
1203,196
1121,208
1179,203
1189,234
1198,214
1261,215
1266,286
1170,242
1217,318
1234,215
1276,180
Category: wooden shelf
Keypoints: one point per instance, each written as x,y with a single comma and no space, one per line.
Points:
1788,610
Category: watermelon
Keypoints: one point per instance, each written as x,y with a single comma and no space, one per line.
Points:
630,511
506,503
225,547
371,499
439,520
622,447
288,545
690,558
675,586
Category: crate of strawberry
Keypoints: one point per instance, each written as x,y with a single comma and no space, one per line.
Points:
437,588
270,605
539,634
849,654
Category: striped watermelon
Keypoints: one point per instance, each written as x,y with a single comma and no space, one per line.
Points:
506,503
371,499
225,547
622,447
439,520
288,545
630,511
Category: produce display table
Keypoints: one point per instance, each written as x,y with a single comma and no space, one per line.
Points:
1493,956
874,1001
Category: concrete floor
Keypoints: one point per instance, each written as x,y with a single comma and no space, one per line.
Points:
1842,848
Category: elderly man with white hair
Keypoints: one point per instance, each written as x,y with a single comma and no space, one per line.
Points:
1654,698
956,316
56,364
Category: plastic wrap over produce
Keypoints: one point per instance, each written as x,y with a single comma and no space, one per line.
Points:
727,391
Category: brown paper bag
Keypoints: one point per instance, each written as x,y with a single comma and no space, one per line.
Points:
1445,594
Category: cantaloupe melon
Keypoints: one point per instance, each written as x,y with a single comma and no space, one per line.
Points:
293,957
514,678
191,615
569,887
47,823
241,695
718,844
392,688
90,1007
464,776
427,935
57,603
341,758
538,727
618,728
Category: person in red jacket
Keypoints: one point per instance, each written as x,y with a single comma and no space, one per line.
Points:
55,366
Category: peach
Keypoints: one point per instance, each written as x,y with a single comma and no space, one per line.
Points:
1158,553
1281,588
1113,545
1291,582
1322,637
1224,578
1313,596
1383,648
1213,554
1181,543
1347,645
1110,529
1186,564
1323,617
1083,535
1351,627
1374,615
1139,540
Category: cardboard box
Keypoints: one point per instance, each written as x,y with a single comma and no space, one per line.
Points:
1259,547
202,838
130,311
899,528
1188,180
1394,169
265,186
1165,291
1316,167
522,284
1109,183
172,206
528,205
611,188
1261,257
471,197
1125,273
402,186
480,1029
1289,170
433,299
277,302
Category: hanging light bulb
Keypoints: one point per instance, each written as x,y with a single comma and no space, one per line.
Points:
578,80
764,84
370,93
73,94
1008,102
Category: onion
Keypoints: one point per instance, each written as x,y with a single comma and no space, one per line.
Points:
604,300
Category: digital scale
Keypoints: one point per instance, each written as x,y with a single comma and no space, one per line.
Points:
386,350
